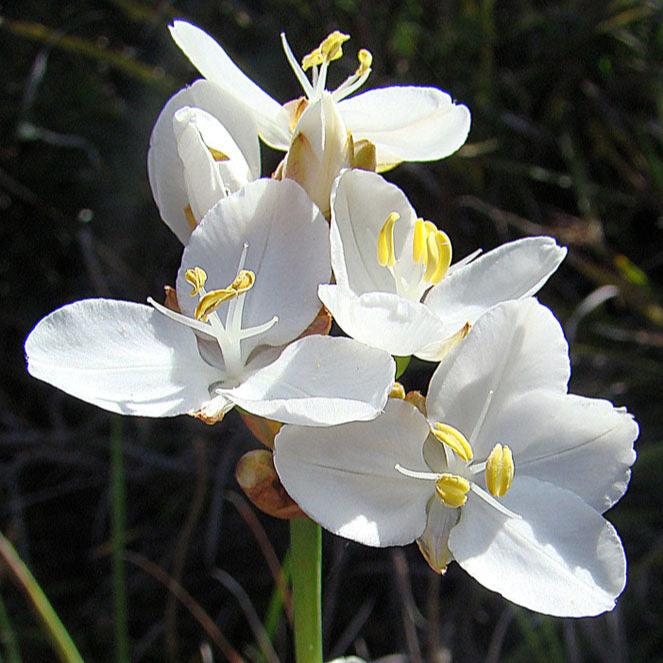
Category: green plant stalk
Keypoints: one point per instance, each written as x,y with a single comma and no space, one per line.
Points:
118,542
8,636
54,629
306,574
275,608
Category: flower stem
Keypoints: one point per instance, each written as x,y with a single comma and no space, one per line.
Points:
61,641
306,572
118,539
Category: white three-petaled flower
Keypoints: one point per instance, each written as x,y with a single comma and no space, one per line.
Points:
203,147
246,290
507,474
395,288
404,123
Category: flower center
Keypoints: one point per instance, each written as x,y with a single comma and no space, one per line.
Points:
206,319
452,487
431,250
318,60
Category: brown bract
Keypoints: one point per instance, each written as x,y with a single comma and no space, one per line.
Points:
257,477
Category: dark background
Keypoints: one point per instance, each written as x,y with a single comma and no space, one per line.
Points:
567,139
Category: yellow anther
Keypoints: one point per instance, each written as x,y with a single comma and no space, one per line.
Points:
454,439
218,155
312,59
432,256
443,252
211,301
331,46
329,49
397,391
452,490
196,277
365,61
499,470
386,255
419,242
243,281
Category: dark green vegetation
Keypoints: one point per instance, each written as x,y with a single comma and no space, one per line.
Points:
567,139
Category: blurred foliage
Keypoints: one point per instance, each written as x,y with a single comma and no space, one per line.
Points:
567,139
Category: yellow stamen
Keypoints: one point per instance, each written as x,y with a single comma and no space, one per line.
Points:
499,470
217,155
452,490
432,256
211,301
443,245
454,439
419,242
365,61
330,49
196,277
243,281
386,255
331,46
397,391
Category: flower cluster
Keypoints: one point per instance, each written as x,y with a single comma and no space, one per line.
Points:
497,468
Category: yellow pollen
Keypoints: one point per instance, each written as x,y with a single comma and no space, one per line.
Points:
211,301
432,249
499,470
196,277
386,255
452,490
217,155
330,49
365,61
443,254
397,391
419,242
454,439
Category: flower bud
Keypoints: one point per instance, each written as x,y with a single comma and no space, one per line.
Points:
256,475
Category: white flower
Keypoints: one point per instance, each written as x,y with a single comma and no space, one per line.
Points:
404,123
203,147
497,402
395,288
246,290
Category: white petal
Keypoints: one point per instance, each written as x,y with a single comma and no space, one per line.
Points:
383,320
164,165
407,123
512,271
361,203
319,381
344,476
215,65
122,357
282,227
561,558
433,543
582,444
319,150
515,348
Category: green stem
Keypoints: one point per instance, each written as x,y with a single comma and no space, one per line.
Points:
306,573
118,539
276,603
61,640
8,636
